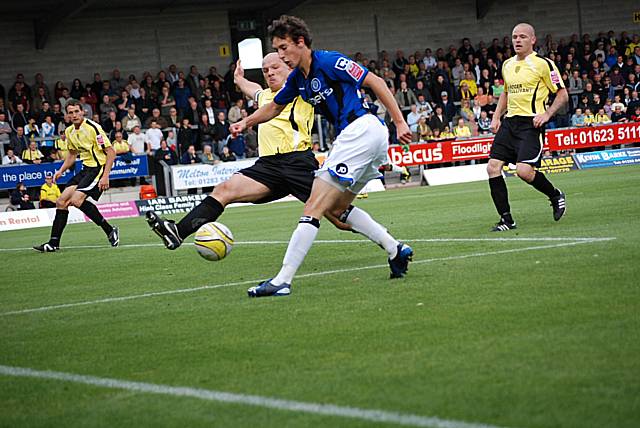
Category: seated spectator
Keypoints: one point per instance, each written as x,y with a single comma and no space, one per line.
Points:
424,132
5,131
465,92
618,116
166,101
105,108
48,134
208,157
227,155
601,118
62,147
172,139
137,141
10,158
190,156
424,107
166,154
438,120
446,133
31,130
32,154
235,143
635,116
120,145
497,88
577,119
481,99
173,119
20,198
470,81
49,193
466,111
154,136
110,124
131,120
589,118
484,123
461,130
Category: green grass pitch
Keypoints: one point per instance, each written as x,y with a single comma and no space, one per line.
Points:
524,332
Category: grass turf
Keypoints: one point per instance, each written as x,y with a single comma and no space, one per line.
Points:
540,337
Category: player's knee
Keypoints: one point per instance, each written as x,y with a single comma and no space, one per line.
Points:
223,193
62,204
76,201
494,169
525,173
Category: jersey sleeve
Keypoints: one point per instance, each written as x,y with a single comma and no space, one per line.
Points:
338,67
102,138
289,91
551,76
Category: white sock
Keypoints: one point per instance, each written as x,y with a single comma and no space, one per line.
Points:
299,246
364,224
396,168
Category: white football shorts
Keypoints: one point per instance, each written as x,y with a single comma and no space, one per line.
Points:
356,155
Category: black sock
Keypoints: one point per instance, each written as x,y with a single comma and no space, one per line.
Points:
541,184
59,222
208,210
500,197
92,212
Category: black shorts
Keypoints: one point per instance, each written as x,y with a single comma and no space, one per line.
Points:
518,140
284,174
87,181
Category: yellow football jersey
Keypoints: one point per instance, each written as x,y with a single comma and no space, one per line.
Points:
289,131
89,140
528,83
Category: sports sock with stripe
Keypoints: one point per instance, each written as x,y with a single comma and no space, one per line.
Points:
299,245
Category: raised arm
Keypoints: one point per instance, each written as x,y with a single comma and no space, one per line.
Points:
247,87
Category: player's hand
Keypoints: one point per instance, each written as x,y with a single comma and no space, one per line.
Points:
238,127
495,124
540,119
56,176
103,184
403,133
238,74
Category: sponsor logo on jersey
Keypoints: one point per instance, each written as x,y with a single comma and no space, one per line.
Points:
100,140
352,68
315,84
555,77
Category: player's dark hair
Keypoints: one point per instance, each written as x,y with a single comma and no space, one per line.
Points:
72,102
290,26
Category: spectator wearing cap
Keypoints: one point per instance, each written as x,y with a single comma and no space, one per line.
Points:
448,106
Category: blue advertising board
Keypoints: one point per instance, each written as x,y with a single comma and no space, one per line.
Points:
33,175
605,158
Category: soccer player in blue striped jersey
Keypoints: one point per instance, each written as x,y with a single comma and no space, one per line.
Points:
331,83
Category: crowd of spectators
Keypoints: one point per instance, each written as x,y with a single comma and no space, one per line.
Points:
183,117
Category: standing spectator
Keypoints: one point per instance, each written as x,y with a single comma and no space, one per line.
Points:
154,136
236,145
76,89
221,100
412,120
105,108
193,113
48,134
20,198
193,79
448,107
221,131
144,105
116,83
19,141
155,116
172,75
137,141
181,95
173,119
405,98
575,87
19,117
166,101
19,95
39,99
235,111
206,130
185,135
438,120
457,72
484,123
49,193
131,120
5,132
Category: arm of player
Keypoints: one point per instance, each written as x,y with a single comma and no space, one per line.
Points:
103,184
68,163
379,88
247,87
263,114
500,109
562,97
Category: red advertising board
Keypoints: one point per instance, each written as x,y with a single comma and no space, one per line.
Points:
478,148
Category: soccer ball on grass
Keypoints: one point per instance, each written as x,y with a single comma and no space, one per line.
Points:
214,241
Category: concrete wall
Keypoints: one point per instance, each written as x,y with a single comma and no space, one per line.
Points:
139,41
349,27
133,42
